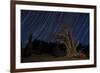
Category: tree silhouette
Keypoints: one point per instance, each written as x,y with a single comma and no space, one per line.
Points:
28,48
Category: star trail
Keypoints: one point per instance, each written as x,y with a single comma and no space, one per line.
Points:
42,24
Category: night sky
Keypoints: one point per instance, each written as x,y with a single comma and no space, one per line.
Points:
42,24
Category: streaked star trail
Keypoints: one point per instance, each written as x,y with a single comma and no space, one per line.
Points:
42,24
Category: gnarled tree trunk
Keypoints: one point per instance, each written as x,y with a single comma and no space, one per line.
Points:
70,45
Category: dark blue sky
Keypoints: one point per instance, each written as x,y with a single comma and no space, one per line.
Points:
42,24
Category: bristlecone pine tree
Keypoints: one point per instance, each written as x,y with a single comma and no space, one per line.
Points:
70,45
66,37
